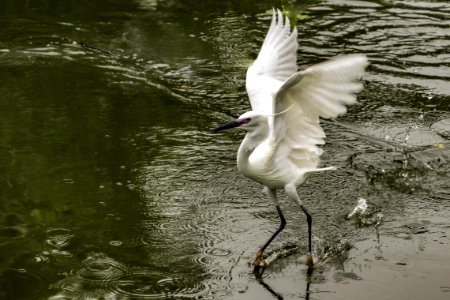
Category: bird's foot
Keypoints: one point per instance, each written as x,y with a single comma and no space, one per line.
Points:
309,260
259,264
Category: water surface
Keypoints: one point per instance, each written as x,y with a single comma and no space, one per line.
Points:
112,187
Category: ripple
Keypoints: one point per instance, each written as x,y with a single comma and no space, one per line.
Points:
12,232
98,266
442,127
406,41
58,237
218,252
43,53
95,279
154,285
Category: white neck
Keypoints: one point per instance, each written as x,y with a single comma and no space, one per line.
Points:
252,139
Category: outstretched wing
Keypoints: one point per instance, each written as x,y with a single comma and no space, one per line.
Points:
322,90
277,60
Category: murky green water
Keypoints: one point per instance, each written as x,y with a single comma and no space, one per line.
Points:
111,186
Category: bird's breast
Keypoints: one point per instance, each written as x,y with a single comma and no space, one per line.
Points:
260,166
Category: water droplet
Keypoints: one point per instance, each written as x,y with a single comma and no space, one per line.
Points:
115,243
38,259
58,237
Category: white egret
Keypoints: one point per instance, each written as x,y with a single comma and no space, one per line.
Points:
283,129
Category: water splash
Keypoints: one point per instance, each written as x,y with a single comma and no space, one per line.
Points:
360,208
364,216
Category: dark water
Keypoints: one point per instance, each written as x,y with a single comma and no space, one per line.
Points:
112,188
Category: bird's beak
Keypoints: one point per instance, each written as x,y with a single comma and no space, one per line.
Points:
231,124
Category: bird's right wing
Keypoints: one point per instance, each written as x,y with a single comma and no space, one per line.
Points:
276,61
321,91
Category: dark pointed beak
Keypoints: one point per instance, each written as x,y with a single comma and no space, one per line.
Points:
231,124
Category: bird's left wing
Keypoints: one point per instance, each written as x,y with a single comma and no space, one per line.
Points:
276,61
321,91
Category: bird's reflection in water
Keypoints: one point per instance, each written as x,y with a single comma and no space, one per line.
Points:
269,288
277,295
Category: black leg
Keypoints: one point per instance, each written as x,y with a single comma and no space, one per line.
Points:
291,191
259,262
309,259
309,221
282,225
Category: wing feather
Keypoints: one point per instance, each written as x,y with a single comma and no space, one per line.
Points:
295,101
276,61
321,91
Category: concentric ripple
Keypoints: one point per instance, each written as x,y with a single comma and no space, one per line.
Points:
154,285
59,237
95,278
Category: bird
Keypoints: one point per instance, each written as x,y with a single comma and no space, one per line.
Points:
281,147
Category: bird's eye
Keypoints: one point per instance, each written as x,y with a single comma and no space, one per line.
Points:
247,120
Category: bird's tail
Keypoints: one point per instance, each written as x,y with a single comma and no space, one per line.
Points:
332,168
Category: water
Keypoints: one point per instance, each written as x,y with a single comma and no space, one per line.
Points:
112,188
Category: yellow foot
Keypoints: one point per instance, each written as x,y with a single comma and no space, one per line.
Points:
259,265
309,260
259,260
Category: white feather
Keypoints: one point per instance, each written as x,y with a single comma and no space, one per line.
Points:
323,91
293,103
283,130
275,63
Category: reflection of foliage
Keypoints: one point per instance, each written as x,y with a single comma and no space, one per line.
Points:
293,14
290,7
75,8
88,9
208,6
58,144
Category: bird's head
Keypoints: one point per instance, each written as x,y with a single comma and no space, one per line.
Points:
249,121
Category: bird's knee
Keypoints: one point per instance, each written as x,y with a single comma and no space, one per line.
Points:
271,193
282,219
291,192
308,215
309,219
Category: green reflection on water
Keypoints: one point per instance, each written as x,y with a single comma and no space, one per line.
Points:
67,160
